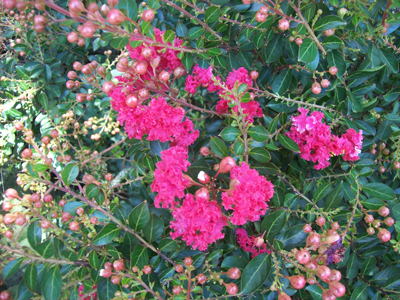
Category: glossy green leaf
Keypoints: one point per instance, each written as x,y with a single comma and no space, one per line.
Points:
260,154
69,174
308,50
51,284
281,82
30,277
10,268
154,229
139,257
230,134
379,190
106,235
255,273
288,143
139,216
212,14
218,147
273,224
258,133
329,22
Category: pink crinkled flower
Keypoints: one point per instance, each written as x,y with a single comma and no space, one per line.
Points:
247,243
240,75
169,59
199,222
352,143
248,200
169,181
201,77
317,143
160,121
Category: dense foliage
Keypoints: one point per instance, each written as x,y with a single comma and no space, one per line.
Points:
187,149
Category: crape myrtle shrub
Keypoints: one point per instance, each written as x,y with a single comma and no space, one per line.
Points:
200,150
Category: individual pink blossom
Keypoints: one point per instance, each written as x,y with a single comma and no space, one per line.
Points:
352,144
240,75
169,181
169,57
201,77
317,143
160,121
251,109
199,222
247,243
248,200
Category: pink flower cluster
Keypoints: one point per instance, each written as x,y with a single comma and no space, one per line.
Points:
198,221
249,243
318,144
169,57
249,197
159,120
203,77
169,181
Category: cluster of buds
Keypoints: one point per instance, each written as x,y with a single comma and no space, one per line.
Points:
316,87
383,234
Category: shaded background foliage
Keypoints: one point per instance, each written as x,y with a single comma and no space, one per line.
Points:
364,96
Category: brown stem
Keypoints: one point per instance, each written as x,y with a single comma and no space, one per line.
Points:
104,151
386,12
144,285
309,29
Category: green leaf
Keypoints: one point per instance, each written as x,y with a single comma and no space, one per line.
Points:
322,191
195,33
368,266
360,292
218,147
281,82
45,249
352,267
273,51
167,245
260,154
70,173
40,167
94,260
169,36
315,291
92,190
47,73
329,22
212,14
139,257
393,283
273,224
334,198
379,190
390,60
51,284
119,42
214,51
187,61
30,277
255,273
288,143
106,235
106,289
11,268
154,229
234,262
130,7
292,237
34,234
307,51
44,101
230,134
139,216
258,133
332,42
238,148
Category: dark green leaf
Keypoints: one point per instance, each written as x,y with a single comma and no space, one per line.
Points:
212,14
260,154
308,50
169,36
139,216
139,257
11,268
218,147
288,143
92,190
119,42
329,22
69,174
167,245
258,133
230,134
273,224
154,229
281,82
255,273
379,190
360,292
322,191
334,198
106,235
30,277
51,284
106,289
195,33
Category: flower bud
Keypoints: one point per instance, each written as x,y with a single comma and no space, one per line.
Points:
115,16
234,273
203,177
202,193
226,165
